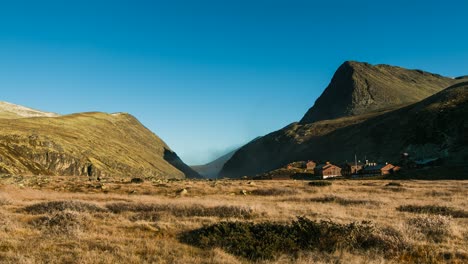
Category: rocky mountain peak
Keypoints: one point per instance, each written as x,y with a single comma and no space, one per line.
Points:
359,88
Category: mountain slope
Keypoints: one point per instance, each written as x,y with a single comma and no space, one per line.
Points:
211,170
92,144
357,88
427,128
8,110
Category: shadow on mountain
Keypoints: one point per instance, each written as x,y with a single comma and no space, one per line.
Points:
172,158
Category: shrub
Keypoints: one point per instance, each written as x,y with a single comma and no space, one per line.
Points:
184,211
394,184
434,209
342,201
274,192
320,183
50,207
268,240
434,228
137,180
61,223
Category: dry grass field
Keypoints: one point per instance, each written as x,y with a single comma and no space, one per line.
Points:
73,220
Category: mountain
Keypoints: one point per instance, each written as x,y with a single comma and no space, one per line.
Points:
8,110
358,88
83,144
211,170
429,128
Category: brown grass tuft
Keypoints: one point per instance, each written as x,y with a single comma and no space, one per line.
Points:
274,192
436,228
61,223
50,207
343,201
222,211
434,209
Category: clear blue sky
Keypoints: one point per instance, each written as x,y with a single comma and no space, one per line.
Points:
207,76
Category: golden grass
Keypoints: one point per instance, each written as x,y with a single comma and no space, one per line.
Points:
72,220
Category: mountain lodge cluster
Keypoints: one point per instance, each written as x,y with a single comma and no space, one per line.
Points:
349,169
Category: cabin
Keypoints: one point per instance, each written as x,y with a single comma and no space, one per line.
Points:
327,170
375,169
352,168
387,169
302,165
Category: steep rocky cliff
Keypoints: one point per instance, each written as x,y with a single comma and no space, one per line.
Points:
86,144
358,88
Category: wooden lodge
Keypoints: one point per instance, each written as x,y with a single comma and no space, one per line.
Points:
352,168
327,170
309,165
378,169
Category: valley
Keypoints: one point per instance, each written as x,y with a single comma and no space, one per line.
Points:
115,220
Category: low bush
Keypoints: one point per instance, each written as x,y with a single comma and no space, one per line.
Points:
394,184
184,211
137,180
342,201
320,183
269,240
53,206
274,192
61,223
434,209
435,228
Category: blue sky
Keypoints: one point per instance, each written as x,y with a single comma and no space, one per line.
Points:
207,76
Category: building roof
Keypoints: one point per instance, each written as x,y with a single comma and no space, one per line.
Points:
325,166
321,166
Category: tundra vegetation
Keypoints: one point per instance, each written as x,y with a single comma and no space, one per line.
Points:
74,220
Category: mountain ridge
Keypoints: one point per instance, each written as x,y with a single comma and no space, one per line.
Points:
91,144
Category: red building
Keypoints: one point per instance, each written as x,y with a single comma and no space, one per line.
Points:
327,170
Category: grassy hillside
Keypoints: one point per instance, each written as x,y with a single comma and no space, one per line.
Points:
93,144
431,128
